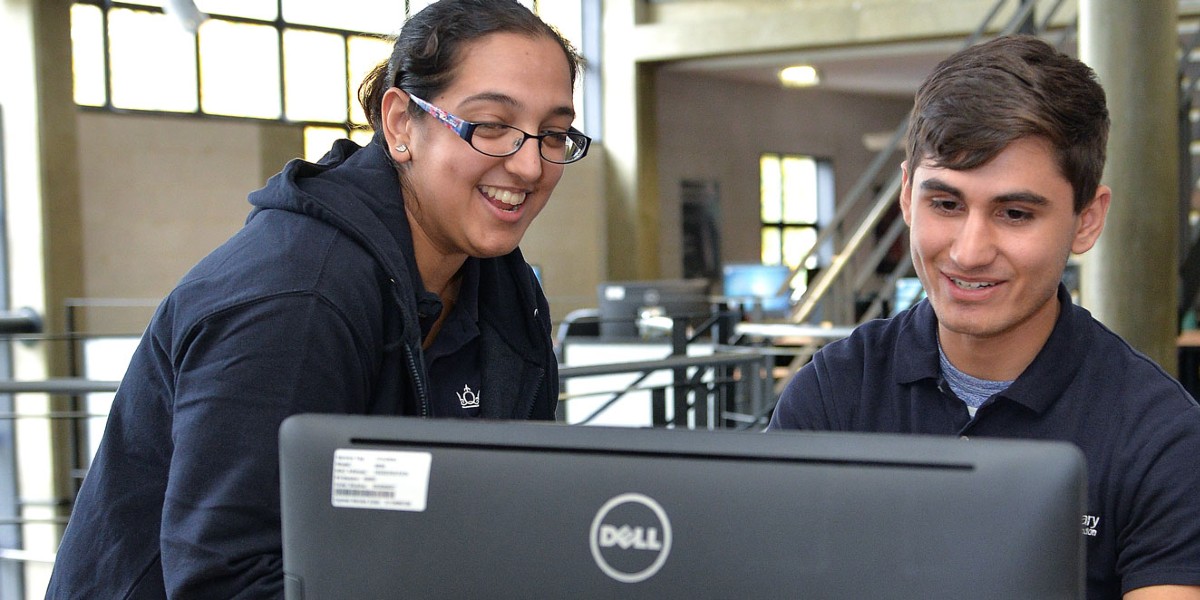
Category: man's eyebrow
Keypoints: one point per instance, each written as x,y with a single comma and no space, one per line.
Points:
937,185
1025,197
509,101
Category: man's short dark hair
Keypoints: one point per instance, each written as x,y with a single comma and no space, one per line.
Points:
982,98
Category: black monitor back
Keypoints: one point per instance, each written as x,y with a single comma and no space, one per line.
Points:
393,507
622,303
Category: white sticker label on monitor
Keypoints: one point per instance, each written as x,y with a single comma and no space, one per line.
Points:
381,479
614,292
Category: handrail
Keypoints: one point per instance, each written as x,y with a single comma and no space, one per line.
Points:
849,202
723,359
893,233
16,555
66,386
825,278
753,375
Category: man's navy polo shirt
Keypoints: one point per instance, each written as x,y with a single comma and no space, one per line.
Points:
1138,428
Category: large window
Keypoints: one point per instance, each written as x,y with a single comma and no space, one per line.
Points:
298,61
795,196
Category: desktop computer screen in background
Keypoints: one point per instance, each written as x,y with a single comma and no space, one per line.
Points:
624,304
748,285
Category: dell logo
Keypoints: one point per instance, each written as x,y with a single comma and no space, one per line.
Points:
630,538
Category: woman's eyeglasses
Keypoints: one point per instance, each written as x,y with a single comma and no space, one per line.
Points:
499,140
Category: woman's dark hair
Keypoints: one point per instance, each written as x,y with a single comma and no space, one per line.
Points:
430,44
985,97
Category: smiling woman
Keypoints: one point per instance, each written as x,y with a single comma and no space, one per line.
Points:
384,279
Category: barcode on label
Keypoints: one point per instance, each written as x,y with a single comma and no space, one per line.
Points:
367,493
380,479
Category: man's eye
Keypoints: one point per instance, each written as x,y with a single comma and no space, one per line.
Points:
1013,214
944,204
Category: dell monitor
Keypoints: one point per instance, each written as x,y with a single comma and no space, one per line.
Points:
399,507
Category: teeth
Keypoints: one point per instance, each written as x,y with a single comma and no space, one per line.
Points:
970,285
505,196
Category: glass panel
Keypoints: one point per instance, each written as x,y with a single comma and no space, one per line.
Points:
371,16
799,189
314,72
318,140
365,53
772,252
104,359
769,179
577,100
415,6
153,62
362,137
567,17
87,53
797,241
266,10
239,69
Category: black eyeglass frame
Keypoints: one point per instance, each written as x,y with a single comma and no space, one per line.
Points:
466,130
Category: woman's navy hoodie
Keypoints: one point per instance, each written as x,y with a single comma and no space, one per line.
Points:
313,306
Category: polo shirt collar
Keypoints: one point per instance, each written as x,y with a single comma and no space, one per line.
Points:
1054,368
916,349
468,289
1042,382
429,306
460,326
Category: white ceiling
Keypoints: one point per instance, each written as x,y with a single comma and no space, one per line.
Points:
888,70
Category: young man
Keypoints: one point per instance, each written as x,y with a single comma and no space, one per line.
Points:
1005,149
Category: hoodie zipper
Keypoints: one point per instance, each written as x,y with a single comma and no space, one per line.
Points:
410,357
422,397
537,392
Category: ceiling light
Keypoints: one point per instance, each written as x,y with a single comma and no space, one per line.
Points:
799,76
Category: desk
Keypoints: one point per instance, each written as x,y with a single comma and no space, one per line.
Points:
794,334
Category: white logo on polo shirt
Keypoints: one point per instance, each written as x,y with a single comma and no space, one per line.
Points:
467,398
1090,524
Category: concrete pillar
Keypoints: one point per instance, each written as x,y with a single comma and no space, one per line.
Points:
1129,280
633,208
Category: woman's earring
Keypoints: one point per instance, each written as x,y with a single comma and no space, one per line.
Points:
402,148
